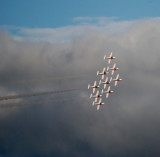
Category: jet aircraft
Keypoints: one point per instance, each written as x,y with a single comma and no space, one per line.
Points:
103,73
117,80
114,68
94,86
96,96
106,82
107,92
109,58
98,104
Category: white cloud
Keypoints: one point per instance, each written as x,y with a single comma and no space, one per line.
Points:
85,25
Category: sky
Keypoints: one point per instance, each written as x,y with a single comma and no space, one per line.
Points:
58,13
51,50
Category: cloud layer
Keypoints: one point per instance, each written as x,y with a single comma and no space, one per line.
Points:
128,123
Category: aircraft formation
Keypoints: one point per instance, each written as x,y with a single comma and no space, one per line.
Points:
104,82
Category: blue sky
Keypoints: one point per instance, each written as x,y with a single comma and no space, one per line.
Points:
58,13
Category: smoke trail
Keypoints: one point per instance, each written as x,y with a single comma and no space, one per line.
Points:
10,105
42,80
35,94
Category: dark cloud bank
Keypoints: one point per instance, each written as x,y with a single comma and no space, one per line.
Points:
128,125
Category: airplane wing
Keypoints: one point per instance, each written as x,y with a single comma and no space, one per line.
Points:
102,77
102,91
117,76
110,79
100,101
110,55
114,65
109,61
107,94
107,68
97,92
112,72
104,86
115,83
98,106
93,103
109,88
95,83
106,79
103,70
93,90
95,99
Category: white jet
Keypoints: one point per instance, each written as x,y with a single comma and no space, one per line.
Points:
98,104
109,58
103,73
106,82
114,68
117,80
94,86
96,96
107,92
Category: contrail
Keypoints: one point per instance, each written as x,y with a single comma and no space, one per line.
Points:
10,105
36,94
42,80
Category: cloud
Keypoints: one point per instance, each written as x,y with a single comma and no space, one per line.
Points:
84,27
128,123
